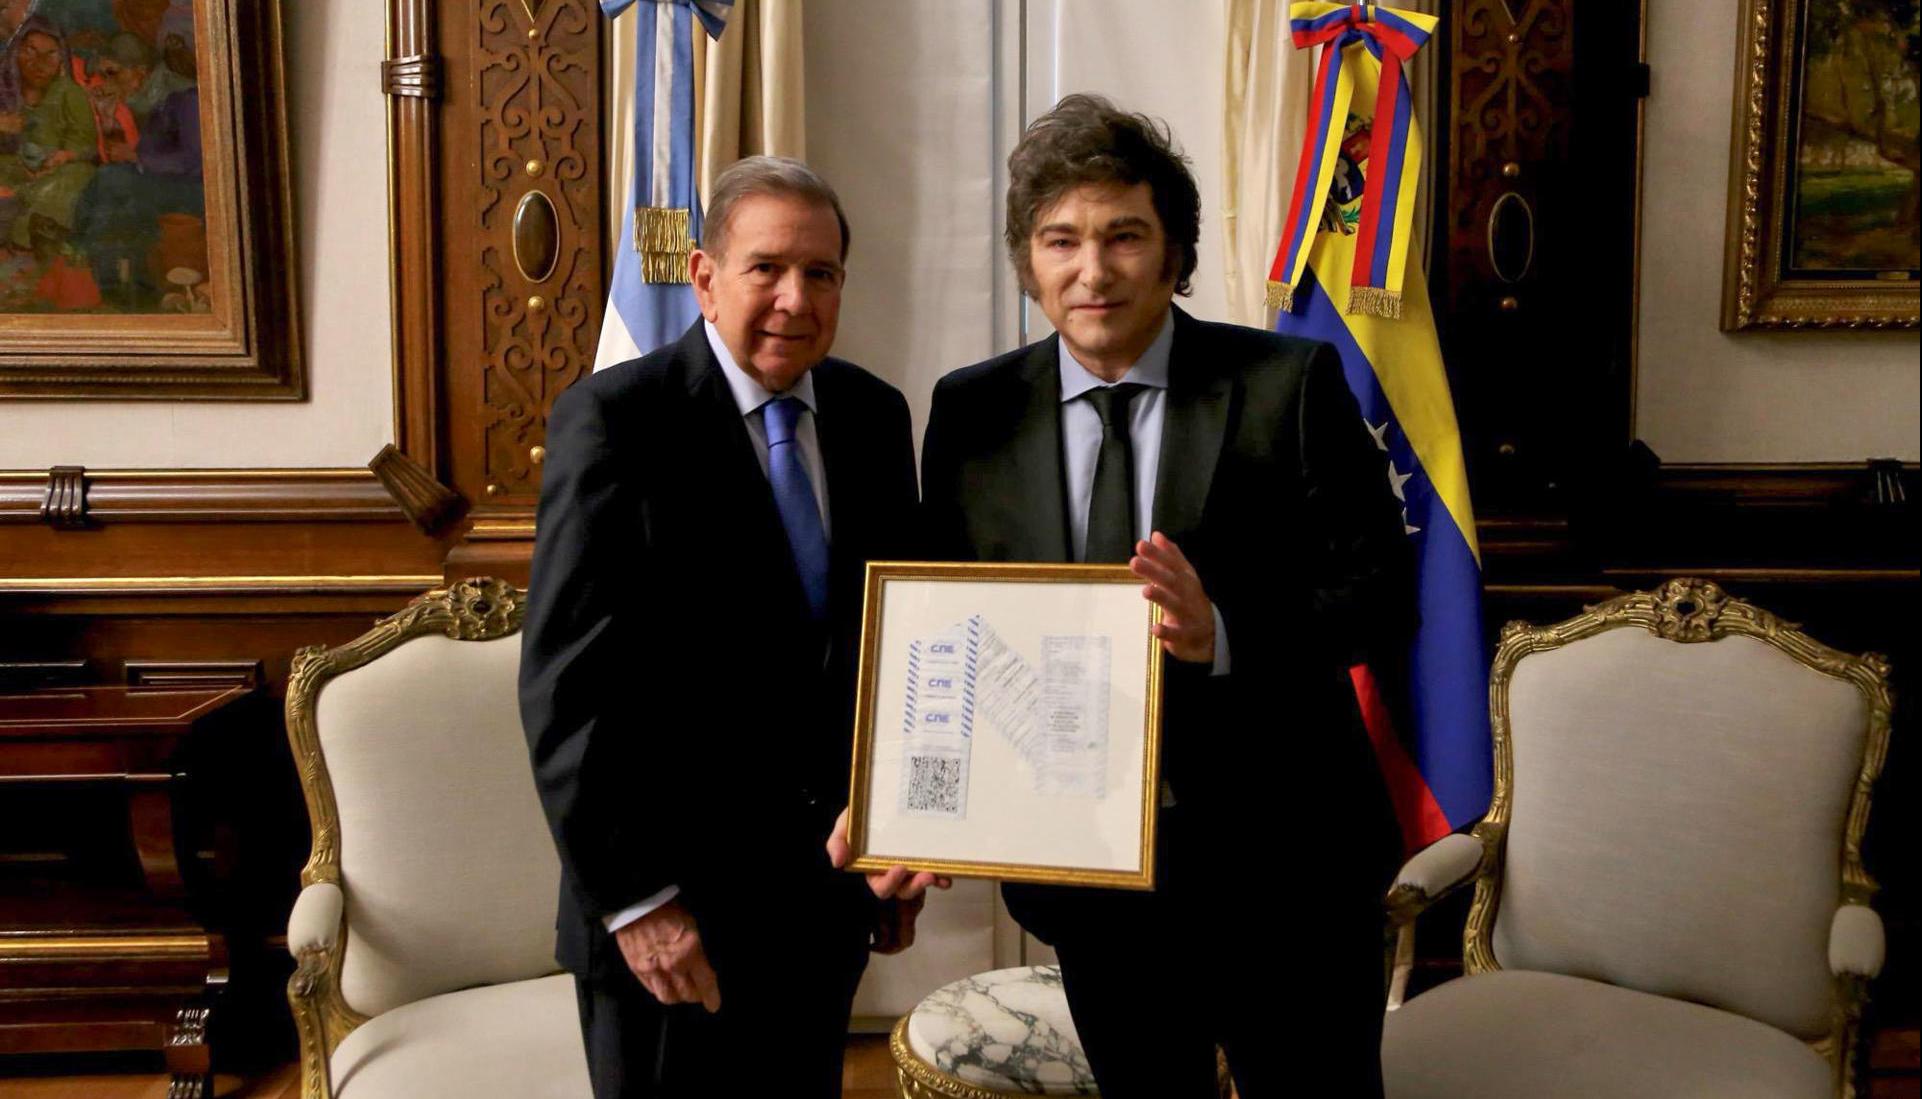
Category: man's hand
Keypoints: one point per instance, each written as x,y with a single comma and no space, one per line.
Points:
895,883
894,925
1187,628
663,950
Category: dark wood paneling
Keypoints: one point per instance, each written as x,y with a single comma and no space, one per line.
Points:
523,89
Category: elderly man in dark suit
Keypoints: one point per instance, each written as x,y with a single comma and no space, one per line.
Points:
1229,467
687,674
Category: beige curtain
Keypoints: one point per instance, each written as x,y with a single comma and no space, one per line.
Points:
749,94
1265,115
751,88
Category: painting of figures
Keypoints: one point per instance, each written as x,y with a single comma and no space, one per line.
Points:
102,200
1856,161
146,228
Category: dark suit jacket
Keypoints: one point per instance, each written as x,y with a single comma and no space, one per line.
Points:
1272,487
684,725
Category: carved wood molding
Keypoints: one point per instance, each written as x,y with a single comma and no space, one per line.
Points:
242,672
413,82
417,75
64,507
426,501
67,496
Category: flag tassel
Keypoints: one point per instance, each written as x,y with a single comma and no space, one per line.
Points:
1373,301
662,238
1280,296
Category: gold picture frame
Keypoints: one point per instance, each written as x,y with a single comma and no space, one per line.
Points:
1799,255
162,266
1062,784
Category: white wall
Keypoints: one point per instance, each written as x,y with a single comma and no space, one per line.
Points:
913,107
338,139
1708,396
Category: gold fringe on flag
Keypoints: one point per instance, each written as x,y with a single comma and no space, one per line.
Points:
1280,296
1375,302
661,237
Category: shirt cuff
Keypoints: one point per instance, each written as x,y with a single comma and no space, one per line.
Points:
635,911
1221,643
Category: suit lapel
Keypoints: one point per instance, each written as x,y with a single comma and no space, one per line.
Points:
1194,426
1028,478
741,489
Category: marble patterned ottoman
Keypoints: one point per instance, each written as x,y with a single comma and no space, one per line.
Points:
991,1036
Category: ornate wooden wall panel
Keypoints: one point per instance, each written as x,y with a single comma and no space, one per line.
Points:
524,292
1533,279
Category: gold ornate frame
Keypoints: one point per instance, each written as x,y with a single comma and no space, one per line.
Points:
1755,294
868,686
481,609
1687,611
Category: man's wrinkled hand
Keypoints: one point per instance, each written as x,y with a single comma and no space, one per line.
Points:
894,883
894,924
663,950
1187,627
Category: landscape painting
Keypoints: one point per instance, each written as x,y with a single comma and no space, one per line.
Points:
1856,160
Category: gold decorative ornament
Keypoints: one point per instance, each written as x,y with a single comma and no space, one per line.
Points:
535,168
481,609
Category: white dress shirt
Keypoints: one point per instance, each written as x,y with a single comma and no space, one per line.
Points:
751,397
1081,446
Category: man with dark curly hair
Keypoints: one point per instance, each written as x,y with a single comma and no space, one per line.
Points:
1230,469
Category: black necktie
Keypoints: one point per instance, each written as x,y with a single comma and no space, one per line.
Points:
1111,506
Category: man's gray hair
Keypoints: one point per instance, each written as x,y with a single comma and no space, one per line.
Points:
765,175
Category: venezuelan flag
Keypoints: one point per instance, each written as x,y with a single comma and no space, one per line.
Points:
1346,288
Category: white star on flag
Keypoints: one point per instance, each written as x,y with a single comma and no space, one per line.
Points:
1396,478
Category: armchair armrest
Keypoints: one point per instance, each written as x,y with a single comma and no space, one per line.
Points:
313,935
1434,872
314,924
1857,944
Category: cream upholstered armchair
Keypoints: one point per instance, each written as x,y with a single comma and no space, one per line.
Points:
1669,893
424,930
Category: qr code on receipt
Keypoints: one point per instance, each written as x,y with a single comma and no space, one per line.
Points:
934,785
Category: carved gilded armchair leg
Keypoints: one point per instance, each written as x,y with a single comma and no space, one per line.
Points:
305,995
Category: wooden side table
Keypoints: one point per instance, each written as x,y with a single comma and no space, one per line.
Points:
117,954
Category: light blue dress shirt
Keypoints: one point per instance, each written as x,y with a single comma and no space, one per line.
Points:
1081,445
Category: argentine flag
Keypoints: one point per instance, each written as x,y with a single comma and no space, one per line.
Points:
648,308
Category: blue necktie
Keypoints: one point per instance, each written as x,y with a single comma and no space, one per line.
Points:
794,497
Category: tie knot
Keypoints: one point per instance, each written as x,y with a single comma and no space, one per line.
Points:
780,415
1111,402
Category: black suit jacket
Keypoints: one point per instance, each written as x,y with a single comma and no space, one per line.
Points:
688,724
1272,487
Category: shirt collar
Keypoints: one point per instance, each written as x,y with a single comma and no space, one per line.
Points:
1151,369
749,394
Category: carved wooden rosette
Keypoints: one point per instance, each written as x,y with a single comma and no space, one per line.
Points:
1689,611
537,204
481,609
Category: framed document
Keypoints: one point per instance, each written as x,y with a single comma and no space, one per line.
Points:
1008,724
